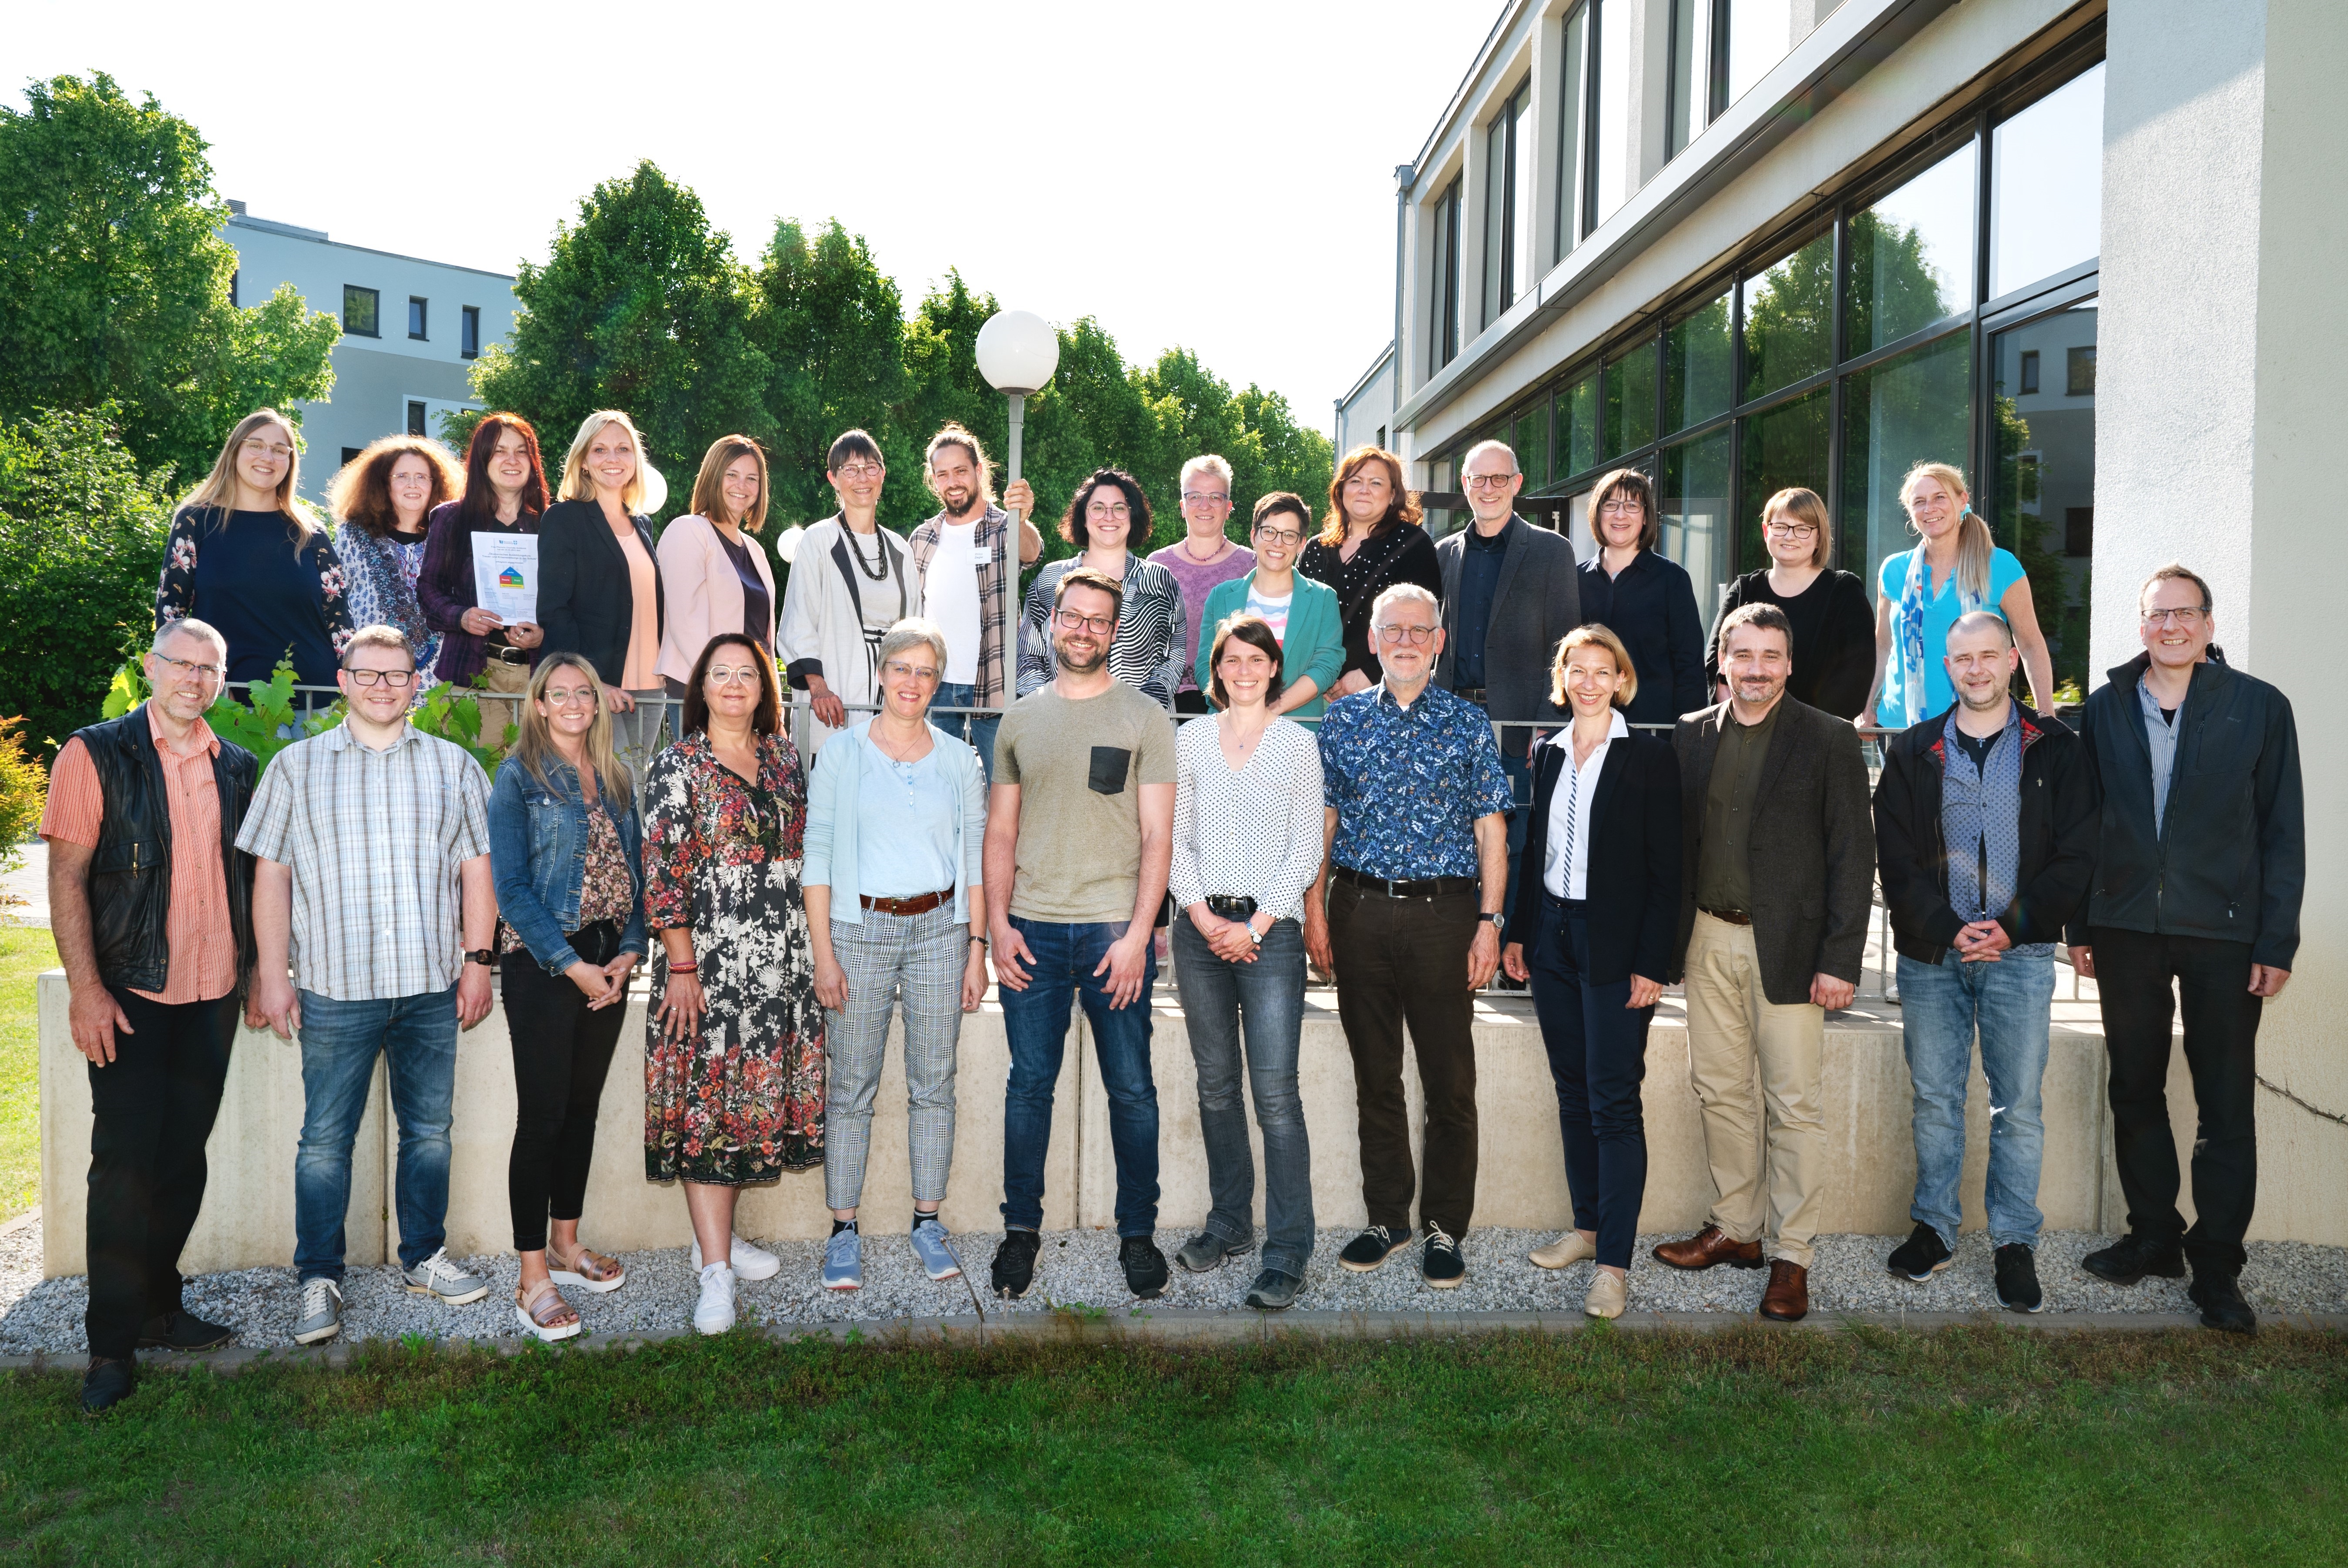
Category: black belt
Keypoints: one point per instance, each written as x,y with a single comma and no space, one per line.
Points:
1424,887
1733,916
505,653
1471,694
1232,908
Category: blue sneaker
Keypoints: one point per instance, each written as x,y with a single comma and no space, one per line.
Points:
930,1246
843,1262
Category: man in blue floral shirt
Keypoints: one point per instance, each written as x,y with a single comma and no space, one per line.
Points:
1406,915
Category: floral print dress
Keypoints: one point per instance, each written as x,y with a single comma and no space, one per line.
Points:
741,1101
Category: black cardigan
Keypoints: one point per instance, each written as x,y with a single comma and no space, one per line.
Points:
1633,880
1834,639
585,598
1652,607
1402,553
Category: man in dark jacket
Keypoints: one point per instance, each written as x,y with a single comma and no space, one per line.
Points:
2200,862
152,907
1777,881
1985,833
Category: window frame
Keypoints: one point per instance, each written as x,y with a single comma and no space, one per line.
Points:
375,311
1501,186
468,331
419,315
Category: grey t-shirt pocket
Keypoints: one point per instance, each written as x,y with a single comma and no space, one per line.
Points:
1111,767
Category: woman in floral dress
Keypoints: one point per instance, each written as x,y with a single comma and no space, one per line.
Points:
734,1037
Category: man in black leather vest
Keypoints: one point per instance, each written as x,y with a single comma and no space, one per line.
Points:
152,903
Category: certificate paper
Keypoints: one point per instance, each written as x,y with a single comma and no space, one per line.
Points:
505,575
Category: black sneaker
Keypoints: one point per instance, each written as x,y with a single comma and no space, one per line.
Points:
1273,1290
2017,1279
1015,1263
2219,1297
2133,1256
107,1384
1367,1252
1144,1265
1207,1251
1440,1264
176,1330
1920,1257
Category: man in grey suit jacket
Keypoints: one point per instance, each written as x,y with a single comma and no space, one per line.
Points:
1778,874
1509,593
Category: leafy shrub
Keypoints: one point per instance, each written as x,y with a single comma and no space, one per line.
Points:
266,720
24,785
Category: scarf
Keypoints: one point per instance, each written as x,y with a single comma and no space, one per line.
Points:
1907,625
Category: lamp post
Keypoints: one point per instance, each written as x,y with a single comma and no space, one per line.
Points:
1017,352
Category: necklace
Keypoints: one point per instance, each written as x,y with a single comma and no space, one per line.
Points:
878,570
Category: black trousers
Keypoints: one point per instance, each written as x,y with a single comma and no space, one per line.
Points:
2133,974
1404,962
561,1053
152,1108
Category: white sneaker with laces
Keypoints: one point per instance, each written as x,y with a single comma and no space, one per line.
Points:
436,1276
322,1312
715,1313
749,1262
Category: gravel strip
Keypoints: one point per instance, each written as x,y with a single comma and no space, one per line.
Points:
1078,1269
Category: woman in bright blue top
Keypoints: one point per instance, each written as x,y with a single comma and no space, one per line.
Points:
1304,615
1922,592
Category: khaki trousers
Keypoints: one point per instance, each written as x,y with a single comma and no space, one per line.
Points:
1730,1024
496,717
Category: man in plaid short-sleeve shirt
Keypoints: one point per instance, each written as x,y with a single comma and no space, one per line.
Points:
373,877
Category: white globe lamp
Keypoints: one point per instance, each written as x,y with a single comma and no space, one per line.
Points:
1017,352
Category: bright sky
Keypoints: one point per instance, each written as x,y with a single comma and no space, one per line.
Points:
1216,174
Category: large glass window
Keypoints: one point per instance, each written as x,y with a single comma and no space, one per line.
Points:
1781,448
1695,516
1529,440
1915,407
1697,376
1614,145
1690,108
1630,399
2046,185
1760,33
1577,427
1911,256
1443,327
2043,503
1508,205
1789,319
1572,109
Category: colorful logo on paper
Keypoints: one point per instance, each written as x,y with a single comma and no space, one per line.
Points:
509,578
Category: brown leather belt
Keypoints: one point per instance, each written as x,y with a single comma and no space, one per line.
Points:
921,904
1733,916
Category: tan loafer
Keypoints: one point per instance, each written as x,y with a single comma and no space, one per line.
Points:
1567,1250
1608,1296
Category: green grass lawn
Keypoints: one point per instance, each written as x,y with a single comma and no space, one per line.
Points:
24,952
1969,1446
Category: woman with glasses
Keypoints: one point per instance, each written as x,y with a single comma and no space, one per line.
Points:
1247,845
714,574
1645,598
566,849
504,494
1956,568
1304,616
733,1033
383,498
851,582
599,587
1109,523
1834,632
1203,558
896,823
1371,539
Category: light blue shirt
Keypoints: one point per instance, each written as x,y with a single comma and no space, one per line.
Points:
2160,739
923,809
1940,613
840,855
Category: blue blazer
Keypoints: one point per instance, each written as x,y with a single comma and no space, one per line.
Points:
1313,645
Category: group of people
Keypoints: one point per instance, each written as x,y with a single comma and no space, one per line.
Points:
360,893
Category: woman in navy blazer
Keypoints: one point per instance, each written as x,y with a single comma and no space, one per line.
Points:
599,586
1597,907
1645,598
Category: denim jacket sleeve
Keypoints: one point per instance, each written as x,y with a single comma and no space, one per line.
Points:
518,899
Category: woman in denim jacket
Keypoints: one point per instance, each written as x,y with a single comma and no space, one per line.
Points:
565,845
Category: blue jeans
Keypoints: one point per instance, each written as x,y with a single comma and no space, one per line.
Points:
1940,1005
1597,1058
1035,1022
417,1038
1266,998
977,729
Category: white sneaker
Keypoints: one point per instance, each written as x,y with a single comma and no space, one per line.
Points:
322,1312
714,1314
436,1276
749,1262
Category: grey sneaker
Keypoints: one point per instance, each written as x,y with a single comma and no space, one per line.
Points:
436,1276
843,1261
322,1312
930,1245
1273,1290
1207,1251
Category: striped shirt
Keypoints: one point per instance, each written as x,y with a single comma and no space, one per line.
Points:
1151,650
375,840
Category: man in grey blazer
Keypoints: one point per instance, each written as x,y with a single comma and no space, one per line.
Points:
1509,593
1778,874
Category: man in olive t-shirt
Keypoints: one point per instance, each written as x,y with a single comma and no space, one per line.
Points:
1079,837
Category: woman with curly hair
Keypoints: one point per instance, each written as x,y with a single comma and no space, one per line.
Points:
383,498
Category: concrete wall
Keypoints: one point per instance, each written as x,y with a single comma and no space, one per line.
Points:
247,1218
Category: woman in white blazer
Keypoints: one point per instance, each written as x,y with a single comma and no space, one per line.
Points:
852,580
715,578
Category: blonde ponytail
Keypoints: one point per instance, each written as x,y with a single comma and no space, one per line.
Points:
1975,545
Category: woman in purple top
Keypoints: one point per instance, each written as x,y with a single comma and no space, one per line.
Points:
1202,559
505,491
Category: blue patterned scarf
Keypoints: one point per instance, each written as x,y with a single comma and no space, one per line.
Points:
1907,625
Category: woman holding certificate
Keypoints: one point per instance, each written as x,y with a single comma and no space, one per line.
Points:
599,587
715,577
504,495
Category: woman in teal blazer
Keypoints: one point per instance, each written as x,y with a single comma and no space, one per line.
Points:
1304,614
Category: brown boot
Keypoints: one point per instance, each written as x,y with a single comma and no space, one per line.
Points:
1787,1299
1709,1246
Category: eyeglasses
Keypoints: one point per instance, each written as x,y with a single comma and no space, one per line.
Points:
1280,538
563,696
182,668
1118,512
897,670
1794,530
1617,506
1417,636
1488,481
857,472
381,677
1074,621
726,675
1195,498
2185,619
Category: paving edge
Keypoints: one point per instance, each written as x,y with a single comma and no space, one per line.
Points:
1215,1328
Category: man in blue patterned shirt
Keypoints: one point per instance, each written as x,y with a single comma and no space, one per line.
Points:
1406,915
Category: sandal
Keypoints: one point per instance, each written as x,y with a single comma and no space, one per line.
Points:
587,1269
545,1316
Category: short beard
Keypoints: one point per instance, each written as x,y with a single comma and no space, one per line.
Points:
1100,657
974,503
1996,696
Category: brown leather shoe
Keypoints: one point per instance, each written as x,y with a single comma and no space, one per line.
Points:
1787,1299
1709,1246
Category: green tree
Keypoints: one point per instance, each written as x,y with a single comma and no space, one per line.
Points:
114,279
641,305
81,545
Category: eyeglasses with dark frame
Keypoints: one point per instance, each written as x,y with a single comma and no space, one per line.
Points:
392,678
1078,621
183,668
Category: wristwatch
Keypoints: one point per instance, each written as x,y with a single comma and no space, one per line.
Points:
484,956
1498,920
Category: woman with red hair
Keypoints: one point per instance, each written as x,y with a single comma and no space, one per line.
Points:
1374,540
505,492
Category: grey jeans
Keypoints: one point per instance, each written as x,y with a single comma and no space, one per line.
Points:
918,959
1265,999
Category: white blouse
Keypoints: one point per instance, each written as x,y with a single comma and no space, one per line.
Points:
1565,868
1250,832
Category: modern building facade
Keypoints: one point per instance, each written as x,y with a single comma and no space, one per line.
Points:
2085,250
411,331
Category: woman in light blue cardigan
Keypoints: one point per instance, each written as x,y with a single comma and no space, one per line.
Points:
895,833
1303,614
